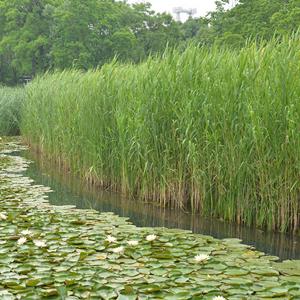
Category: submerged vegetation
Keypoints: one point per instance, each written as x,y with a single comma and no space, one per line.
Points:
215,131
60,252
11,100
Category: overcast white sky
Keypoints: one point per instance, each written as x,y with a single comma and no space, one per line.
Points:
202,6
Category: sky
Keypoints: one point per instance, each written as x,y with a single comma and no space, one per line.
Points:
202,6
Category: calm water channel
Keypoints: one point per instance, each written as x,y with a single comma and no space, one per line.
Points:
68,190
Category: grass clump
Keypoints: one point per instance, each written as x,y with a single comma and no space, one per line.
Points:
215,131
11,100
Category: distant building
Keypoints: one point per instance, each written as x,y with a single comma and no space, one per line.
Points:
179,10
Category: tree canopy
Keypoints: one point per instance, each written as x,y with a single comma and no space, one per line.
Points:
249,19
41,35
38,35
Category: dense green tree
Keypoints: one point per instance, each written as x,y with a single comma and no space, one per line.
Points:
249,19
153,31
24,42
287,19
198,30
40,35
260,19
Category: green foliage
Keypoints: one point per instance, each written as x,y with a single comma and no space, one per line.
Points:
249,19
36,36
215,131
24,39
62,252
41,35
11,100
256,19
287,18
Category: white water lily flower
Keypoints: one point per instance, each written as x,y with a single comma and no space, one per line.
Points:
132,243
201,257
151,237
3,216
40,243
111,239
118,250
26,232
219,298
22,240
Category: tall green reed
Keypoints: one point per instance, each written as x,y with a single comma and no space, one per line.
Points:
215,131
11,100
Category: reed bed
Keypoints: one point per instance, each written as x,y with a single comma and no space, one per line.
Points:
11,100
214,131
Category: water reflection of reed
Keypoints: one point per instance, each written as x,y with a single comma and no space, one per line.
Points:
69,190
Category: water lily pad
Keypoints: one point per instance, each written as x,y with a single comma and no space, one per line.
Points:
75,260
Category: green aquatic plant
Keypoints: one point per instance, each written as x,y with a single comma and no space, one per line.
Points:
11,101
215,131
60,252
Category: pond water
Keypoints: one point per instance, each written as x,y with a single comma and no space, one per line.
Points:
69,190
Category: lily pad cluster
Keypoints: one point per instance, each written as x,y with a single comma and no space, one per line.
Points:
60,252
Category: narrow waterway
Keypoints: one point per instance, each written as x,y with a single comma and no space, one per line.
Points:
69,190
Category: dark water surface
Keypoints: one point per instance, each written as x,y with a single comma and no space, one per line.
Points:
69,190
